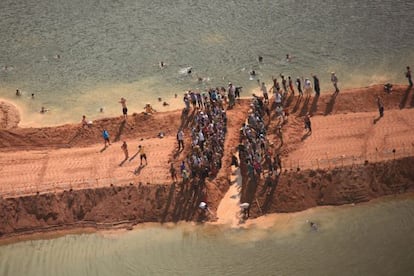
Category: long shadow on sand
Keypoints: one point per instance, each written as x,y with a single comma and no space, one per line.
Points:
186,200
331,104
405,98
314,106
297,104
304,109
269,197
120,130
168,203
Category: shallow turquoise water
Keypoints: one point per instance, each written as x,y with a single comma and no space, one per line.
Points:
110,49
369,239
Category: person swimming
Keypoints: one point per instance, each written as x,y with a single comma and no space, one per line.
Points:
313,225
260,58
252,73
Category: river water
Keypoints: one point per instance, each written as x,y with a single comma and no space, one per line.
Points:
78,56
374,238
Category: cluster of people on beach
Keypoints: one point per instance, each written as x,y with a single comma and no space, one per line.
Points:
202,100
208,130
254,147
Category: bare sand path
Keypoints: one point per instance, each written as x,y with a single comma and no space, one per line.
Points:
26,172
351,138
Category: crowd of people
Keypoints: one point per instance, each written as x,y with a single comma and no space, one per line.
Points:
208,129
254,148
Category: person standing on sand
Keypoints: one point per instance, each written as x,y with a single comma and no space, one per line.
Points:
291,86
180,139
105,136
124,107
299,86
142,155
334,80
264,91
284,84
307,87
408,76
84,122
124,148
380,106
316,85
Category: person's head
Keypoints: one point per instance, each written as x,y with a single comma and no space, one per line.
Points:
408,67
139,146
83,117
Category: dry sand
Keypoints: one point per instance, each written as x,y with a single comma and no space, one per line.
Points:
71,158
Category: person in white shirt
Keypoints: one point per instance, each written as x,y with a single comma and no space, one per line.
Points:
308,87
334,80
180,139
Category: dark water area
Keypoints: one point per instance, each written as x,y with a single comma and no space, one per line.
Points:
79,56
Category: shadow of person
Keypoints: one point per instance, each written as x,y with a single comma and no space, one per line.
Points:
123,161
377,119
331,104
120,130
405,98
297,104
103,149
314,105
138,170
133,157
306,135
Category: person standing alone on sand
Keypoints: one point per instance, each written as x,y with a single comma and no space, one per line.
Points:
142,155
124,148
124,107
105,135
408,76
334,80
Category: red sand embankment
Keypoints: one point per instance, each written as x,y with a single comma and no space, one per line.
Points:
109,207
126,204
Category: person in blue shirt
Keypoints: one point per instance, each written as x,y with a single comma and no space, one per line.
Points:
105,135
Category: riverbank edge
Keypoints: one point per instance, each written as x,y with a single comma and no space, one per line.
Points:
86,211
